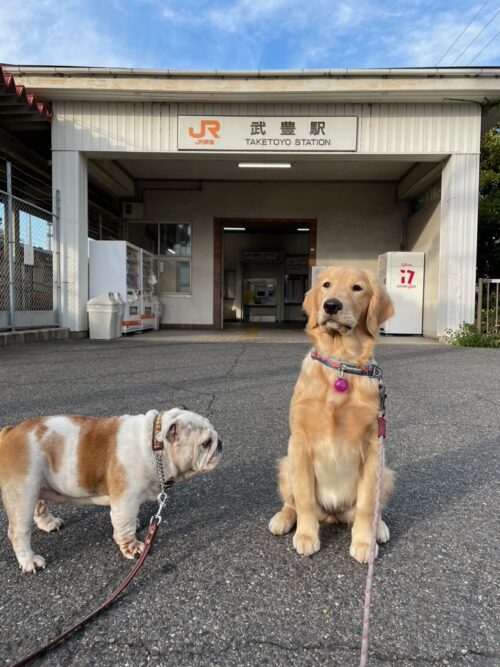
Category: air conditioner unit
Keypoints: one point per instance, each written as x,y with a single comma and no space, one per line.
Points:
133,210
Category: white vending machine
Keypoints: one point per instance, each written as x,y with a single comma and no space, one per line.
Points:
117,266
402,274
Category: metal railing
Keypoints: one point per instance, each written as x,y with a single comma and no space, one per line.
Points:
487,308
29,250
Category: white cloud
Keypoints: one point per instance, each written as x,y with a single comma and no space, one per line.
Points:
427,38
51,32
254,27
264,16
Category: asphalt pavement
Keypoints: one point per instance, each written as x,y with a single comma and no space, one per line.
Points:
218,589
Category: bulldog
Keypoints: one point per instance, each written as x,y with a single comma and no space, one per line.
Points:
87,460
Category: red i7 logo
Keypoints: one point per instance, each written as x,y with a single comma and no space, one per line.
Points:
407,276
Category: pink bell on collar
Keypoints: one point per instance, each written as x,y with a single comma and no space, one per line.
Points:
341,384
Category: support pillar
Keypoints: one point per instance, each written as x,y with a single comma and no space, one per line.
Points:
458,242
69,176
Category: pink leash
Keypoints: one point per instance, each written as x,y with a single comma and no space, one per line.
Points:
376,518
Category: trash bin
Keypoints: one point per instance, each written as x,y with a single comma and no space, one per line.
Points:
157,312
105,316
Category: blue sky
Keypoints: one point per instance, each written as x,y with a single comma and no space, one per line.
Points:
248,34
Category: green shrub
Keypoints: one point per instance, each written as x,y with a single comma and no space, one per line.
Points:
468,335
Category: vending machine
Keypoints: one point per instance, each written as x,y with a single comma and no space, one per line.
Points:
119,266
402,274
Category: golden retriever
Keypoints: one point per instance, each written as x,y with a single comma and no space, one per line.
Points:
329,473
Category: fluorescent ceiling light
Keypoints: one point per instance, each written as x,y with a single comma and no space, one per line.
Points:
235,229
302,229
172,252
264,165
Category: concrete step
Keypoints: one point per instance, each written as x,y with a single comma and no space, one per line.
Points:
32,335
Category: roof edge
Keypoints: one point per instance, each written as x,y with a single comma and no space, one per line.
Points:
9,87
423,72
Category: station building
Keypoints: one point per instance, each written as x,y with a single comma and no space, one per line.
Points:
242,182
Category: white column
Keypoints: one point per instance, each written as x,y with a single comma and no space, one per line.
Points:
69,176
458,242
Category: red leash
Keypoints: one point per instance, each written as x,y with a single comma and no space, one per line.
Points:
148,541
157,447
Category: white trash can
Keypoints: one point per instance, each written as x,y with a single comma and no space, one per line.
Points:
105,316
157,312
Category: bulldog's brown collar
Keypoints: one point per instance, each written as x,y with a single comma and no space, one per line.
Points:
157,447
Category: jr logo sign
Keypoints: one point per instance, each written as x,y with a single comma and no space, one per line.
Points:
206,126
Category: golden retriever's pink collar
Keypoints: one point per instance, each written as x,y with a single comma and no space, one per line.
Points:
341,385
370,370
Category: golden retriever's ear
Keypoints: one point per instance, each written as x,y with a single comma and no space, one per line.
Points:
380,307
310,308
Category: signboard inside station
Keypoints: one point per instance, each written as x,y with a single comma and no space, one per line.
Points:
267,133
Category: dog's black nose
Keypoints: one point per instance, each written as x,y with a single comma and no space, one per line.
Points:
219,445
332,306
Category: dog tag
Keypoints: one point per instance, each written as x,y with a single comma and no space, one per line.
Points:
341,384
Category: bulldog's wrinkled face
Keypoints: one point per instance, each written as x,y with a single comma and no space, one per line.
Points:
193,444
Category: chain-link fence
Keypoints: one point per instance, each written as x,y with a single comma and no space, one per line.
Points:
29,250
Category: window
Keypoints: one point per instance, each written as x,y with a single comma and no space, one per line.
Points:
429,196
175,258
171,243
144,235
175,275
175,239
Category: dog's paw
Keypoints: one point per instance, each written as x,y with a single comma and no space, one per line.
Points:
383,532
49,524
360,551
32,564
132,549
330,519
281,523
306,545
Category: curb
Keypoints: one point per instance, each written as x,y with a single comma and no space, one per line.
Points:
8,338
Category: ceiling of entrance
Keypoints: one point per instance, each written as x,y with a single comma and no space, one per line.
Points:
226,169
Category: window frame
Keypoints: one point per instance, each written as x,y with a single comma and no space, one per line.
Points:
171,258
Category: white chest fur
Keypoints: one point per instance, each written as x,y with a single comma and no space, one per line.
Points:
336,479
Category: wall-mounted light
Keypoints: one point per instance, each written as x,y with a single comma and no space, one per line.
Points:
264,165
235,229
302,229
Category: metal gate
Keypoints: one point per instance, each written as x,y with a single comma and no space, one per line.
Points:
29,250
488,305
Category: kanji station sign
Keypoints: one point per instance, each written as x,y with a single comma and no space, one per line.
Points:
267,133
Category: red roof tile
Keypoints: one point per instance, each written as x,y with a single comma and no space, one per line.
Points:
23,96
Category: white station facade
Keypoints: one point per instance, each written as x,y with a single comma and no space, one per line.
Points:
238,183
